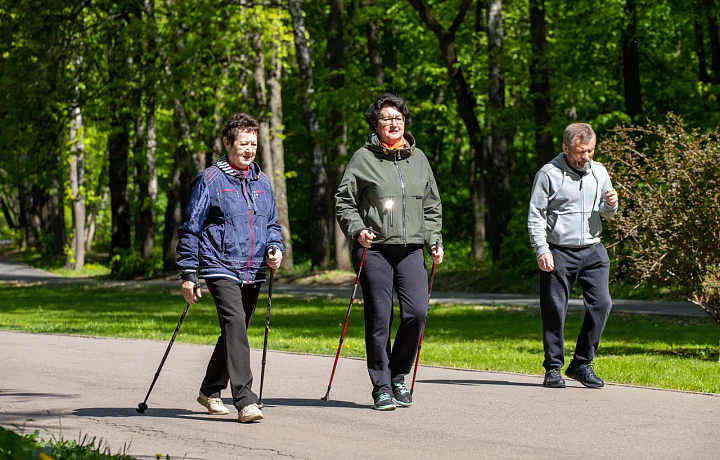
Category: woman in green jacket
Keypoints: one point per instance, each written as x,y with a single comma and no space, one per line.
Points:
388,203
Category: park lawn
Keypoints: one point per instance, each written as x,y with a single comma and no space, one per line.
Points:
665,352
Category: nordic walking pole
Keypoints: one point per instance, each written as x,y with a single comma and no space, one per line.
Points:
267,330
347,317
142,407
417,357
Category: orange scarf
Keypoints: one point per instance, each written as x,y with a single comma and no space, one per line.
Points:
400,144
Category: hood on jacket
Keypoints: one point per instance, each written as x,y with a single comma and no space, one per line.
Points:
373,144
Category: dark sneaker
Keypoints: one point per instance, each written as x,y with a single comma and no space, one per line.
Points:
553,379
401,395
384,401
584,374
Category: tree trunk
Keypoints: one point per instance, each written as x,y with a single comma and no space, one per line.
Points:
173,213
262,105
540,84
146,180
336,64
217,147
145,170
631,62
700,49
497,180
466,109
77,186
319,241
278,153
374,50
119,144
7,214
179,192
101,188
714,42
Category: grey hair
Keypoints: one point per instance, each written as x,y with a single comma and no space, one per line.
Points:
580,131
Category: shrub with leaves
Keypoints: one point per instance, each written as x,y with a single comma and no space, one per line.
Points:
668,226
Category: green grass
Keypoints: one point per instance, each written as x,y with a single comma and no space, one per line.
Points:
677,353
15,446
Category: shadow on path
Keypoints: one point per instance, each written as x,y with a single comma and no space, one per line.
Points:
313,403
122,412
6,393
481,382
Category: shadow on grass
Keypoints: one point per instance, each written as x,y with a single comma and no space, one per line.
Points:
481,382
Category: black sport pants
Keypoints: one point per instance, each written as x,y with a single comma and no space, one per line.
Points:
387,266
590,266
231,358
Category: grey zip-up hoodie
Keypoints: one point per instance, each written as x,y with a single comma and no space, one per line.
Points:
565,208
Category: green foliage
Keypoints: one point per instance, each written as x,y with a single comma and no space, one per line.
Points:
130,264
30,447
667,231
108,58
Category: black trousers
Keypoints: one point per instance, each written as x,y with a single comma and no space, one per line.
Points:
230,360
385,267
590,266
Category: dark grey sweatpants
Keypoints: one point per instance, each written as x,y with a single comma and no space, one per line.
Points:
230,360
387,266
590,266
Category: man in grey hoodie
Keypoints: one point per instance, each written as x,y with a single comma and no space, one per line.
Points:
570,195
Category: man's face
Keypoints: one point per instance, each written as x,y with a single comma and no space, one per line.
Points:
242,152
580,154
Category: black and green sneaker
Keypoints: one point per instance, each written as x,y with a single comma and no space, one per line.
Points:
384,401
401,395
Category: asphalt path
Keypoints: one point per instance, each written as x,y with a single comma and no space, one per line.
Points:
74,386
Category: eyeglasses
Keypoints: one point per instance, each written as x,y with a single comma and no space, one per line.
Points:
398,120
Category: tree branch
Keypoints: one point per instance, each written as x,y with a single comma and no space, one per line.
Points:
460,17
427,17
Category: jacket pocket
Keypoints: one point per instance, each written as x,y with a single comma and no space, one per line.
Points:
564,228
595,224
231,204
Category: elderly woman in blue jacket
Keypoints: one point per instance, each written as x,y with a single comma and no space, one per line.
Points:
228,237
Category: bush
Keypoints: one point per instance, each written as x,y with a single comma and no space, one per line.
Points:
30,447
668,226
130,264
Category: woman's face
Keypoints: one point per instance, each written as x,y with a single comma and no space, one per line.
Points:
242,152
391,125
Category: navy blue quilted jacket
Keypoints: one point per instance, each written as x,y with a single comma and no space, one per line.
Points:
228,226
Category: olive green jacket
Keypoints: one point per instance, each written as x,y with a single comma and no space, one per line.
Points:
392,191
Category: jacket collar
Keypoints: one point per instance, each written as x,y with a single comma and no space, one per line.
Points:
373,144
225,167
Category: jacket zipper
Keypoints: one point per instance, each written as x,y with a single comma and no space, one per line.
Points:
402,185
252,236
582,215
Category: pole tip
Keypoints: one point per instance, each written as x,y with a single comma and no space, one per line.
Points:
142,407
326,397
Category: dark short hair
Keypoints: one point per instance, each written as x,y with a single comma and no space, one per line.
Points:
372,115
239,123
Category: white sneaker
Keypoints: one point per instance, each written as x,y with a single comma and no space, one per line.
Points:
250,413
214,405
